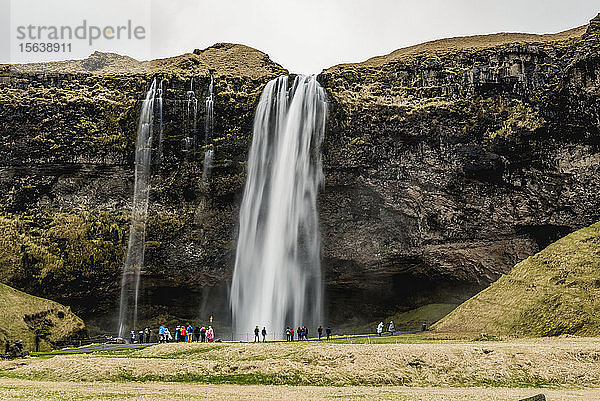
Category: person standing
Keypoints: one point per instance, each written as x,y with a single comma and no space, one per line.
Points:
210,334
203,334
380,329
132,337
291,334
256,332
264,333
320,331
190,333
161,333
299,333
328,332
177,333
182,334
287,334
392,328
141,336
305,333
147,334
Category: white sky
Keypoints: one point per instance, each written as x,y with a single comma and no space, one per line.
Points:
304,36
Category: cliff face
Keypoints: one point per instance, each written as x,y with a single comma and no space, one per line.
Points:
445,164
67,134
448,162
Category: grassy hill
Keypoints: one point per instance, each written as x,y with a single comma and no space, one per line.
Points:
556,291
22,315
411,320
466,43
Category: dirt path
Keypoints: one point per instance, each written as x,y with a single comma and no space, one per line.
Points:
15,389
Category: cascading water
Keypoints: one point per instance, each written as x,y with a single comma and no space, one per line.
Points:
208,130
159,103
208,161
191,113
277,277
209,106
130,282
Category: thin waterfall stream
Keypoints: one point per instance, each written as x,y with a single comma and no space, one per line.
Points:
208,130
134,260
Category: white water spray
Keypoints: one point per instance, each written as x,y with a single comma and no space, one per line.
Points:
159,102
191,113
208,130
277,277
130,282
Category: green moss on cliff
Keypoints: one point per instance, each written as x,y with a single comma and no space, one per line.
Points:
53,253
499,118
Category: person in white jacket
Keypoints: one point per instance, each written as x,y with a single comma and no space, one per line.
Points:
380,329
392,328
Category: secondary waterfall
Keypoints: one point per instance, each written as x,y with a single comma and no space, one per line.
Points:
191,113
130,282
208,130
159,101
277,277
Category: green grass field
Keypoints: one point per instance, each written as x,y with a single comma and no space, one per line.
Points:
404,367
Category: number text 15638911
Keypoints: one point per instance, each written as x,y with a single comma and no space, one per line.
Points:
45,47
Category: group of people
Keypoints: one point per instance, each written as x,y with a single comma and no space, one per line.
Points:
391,328
186,333
302,333
263,332
143,336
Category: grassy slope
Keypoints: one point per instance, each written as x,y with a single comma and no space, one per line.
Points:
14,305
463,43
413,319
223,59
556,291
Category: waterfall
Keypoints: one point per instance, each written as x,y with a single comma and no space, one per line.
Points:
277,277
130,282
208,130
191,113
208,161
159,101
209,107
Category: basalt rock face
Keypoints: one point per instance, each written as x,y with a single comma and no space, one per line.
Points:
448,162
445,164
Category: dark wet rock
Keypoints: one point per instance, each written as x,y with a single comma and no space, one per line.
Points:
443,167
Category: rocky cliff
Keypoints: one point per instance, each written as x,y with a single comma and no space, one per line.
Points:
445,164
448,162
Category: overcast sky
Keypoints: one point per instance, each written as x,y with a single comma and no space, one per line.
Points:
306,36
